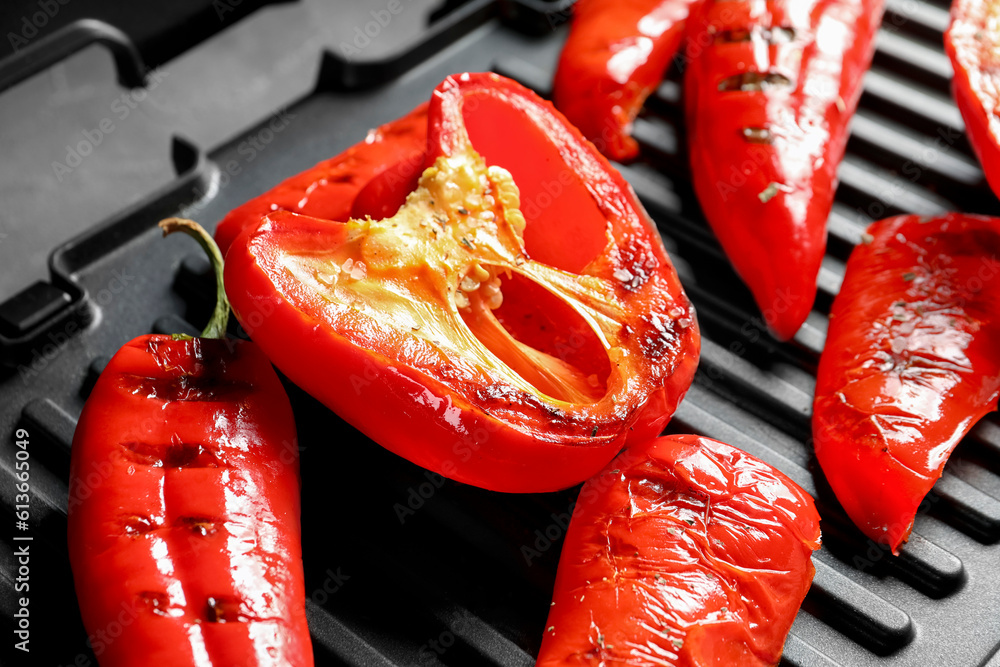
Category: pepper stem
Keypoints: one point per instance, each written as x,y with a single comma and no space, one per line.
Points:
220,317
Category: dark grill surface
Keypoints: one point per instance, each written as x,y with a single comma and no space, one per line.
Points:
403,567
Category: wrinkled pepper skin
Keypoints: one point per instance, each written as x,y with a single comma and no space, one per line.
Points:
355,183
687,552
614,58
769,93
911,364
971,42
465,333
184,509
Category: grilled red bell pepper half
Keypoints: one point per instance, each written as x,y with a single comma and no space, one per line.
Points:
184,506
371,177
911,363
972,41
769,92
510,327
685,552
615,56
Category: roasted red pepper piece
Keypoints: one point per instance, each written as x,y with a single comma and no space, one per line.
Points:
512,356
911,363
769,92
973,44
184,508
615,56
685,552
371,177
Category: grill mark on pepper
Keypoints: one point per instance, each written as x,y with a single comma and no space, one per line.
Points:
758,135
185,388
224,609
199,525
511,397
754,82
171,455
136,525
192,356
155,601
778,35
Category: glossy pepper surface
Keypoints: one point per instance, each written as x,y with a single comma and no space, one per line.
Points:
911,363
510,327
684,552
614,58
769,92
371,177
973,44
184,509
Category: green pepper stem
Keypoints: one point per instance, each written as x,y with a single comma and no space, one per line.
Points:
220,317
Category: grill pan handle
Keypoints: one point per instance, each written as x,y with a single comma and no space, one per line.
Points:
66,41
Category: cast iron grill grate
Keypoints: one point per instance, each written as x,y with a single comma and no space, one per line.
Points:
403,567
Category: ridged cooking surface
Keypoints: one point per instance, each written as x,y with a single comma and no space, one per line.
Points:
403,567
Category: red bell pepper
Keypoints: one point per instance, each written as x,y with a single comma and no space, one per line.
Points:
911,363
972,42
507,336
184,510
769,92
615,56
687,552
370,178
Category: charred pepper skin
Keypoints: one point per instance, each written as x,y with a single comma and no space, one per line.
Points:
183,523
371,177
972,42
911,363
464,337
614,58
769,92
685,552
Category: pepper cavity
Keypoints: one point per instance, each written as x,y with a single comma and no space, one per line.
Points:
446,254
